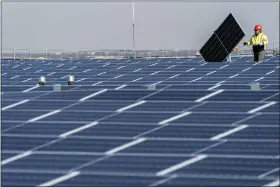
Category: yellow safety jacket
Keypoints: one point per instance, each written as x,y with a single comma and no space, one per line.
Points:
255,40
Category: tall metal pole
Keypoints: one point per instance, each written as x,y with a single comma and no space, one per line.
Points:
133,25
46,54
77,55
30,54
14,54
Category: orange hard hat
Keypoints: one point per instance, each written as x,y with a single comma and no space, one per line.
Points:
258,27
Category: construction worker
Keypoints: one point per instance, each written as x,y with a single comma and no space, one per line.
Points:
259,41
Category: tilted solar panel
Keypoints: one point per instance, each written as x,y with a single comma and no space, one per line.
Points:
223,40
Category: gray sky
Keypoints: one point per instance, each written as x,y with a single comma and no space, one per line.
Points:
159,25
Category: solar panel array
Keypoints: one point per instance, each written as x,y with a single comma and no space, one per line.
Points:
223,41
200,126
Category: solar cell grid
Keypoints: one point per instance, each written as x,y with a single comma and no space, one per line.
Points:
216,53
230,33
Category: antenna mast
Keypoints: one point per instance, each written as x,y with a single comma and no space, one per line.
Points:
133,24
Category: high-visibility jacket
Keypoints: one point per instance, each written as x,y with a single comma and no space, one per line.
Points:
257,39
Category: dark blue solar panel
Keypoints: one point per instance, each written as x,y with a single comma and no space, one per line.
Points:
103,180
8,124
168,147
115,130
178,95
163,106
23,143
26,179
139,117
67,95
77,116
20,115
133,163
246,148
243,95
211,118
21,96
122,95
213,182
226,107
50,162
99,105
188,132
45,128
266,119
43,105
7,155
84,145
258,133
230,166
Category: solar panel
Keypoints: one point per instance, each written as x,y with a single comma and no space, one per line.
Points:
223,40
120,133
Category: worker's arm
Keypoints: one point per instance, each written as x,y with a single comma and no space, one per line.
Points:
264,40
249,42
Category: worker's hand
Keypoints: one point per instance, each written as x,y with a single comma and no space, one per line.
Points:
245,43
261,44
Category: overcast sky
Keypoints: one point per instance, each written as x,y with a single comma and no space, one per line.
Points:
159,25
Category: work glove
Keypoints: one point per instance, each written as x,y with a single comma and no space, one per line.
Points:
261,44
245,43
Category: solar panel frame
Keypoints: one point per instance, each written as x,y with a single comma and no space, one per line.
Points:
219,45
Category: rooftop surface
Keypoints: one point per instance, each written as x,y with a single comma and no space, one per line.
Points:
152,122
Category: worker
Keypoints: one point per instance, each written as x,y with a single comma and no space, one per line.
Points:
259,41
